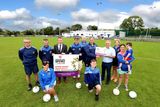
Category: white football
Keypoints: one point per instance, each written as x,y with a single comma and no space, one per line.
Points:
78,85
46,97
116,91
35,89
132,94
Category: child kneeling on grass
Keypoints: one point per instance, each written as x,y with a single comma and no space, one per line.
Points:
47,80
93,79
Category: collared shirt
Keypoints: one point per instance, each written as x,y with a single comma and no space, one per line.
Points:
109,52
60,47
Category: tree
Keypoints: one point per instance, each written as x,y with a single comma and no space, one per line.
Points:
57,31
16,33
132,23
48,30
76,27
8,32
1,31
90,27
29,32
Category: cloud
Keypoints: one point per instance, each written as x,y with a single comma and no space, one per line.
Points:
149,13
21,19
84,15
56,4
111,19
37,23
108,19
20,13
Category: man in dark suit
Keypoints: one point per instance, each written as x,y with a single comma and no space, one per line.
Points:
60,48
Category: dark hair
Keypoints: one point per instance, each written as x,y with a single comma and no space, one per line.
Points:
45,39
91,37
59,37
76,37
93,60
122,45
129,44
44,63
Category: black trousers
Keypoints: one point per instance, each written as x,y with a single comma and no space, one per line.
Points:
107,66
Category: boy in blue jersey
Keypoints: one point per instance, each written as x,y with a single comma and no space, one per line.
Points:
128,56
45,53
76,48
93,79
28,55
47,80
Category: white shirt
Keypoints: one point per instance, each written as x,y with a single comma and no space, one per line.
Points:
109,52
60,46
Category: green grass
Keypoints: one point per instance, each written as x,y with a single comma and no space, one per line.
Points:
144,80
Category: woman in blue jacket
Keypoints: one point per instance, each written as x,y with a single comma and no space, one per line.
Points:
124,68
47,79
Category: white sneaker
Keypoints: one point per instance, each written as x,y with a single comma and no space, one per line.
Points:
74,77
126,89
91,90
117,87
56,98
79,76
86,85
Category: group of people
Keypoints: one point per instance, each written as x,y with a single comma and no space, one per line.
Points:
118,56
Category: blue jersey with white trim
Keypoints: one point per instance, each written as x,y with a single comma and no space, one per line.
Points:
45,53
28,55
47,78
75,49
92,75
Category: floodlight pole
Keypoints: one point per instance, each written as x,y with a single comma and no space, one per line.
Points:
98,20
59,24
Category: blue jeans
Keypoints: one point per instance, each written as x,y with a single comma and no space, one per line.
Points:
108,67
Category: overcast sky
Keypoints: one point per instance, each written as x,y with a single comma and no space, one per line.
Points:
26,14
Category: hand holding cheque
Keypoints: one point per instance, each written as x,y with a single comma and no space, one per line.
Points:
101,52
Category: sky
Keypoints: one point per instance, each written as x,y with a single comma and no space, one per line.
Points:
106,14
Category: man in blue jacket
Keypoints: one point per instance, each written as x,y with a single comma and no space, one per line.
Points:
45,53
76,48
92,78
28,56
83,43
47,80
89,50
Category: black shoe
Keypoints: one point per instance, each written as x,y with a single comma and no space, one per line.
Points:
29,87
37,83
96,97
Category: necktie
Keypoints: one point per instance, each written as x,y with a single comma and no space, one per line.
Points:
60,47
